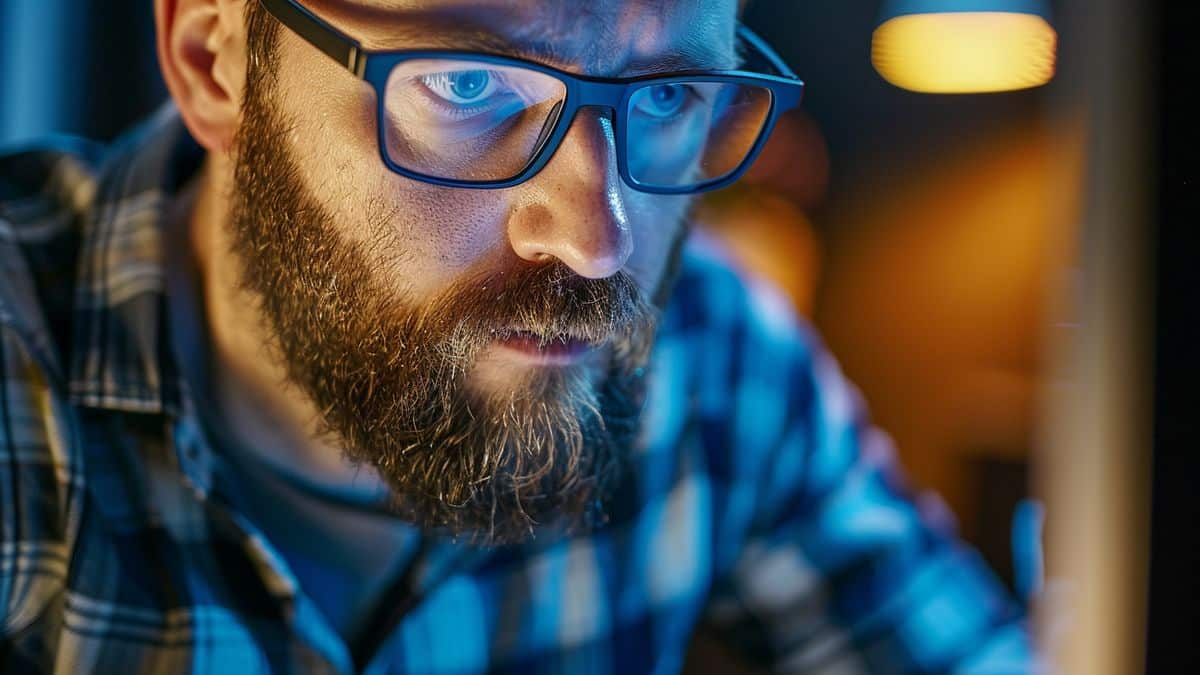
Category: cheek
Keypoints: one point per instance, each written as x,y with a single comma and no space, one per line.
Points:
427,234
655,221
441,231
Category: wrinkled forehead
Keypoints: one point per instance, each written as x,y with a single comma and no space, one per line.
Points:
596,37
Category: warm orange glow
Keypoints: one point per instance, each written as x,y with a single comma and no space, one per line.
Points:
965,52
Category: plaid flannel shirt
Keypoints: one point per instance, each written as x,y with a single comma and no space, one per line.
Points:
760,499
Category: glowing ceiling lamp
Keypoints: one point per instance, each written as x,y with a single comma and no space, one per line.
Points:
965,46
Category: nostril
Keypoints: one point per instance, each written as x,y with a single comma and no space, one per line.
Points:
591,237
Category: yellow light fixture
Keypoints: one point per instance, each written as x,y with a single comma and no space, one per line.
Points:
965,46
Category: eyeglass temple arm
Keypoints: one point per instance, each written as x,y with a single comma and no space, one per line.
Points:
339,46
751,38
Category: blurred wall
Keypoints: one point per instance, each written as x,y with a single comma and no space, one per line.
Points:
931,260
76,66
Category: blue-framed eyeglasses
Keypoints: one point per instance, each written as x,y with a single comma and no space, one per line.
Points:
465,119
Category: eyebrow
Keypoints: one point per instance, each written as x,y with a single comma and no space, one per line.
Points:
423,31
551,53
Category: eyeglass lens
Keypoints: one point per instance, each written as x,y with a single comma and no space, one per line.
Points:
465,120
474,121
690,133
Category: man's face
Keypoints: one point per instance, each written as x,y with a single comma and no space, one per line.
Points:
481,349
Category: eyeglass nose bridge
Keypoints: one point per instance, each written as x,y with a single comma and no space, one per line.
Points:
598,94
608,97
558,122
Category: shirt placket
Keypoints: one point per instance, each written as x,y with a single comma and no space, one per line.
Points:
304,621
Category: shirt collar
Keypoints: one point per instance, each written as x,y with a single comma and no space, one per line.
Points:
120,355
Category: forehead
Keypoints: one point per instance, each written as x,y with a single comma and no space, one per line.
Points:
597,37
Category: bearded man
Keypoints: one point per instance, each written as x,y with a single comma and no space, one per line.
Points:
384,347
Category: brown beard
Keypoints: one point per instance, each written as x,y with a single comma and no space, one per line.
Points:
390,379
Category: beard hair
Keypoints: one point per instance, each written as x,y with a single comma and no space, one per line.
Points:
390,380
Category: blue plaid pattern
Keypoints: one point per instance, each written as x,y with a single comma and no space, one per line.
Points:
761,501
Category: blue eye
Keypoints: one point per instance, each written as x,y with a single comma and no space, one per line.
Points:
462,87
661,101
470,84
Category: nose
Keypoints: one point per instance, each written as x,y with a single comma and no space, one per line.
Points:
573,209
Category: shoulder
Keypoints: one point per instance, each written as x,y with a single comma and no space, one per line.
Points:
46,189
55,173
38,475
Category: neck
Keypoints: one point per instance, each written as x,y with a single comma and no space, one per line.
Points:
266,413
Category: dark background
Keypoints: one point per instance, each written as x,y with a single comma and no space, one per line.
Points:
1174,602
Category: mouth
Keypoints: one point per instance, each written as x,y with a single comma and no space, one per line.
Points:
557,350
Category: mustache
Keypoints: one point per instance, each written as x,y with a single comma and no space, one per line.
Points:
548,300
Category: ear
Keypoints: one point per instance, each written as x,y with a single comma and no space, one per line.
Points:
202,52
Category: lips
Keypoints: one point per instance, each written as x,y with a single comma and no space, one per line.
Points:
561,348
